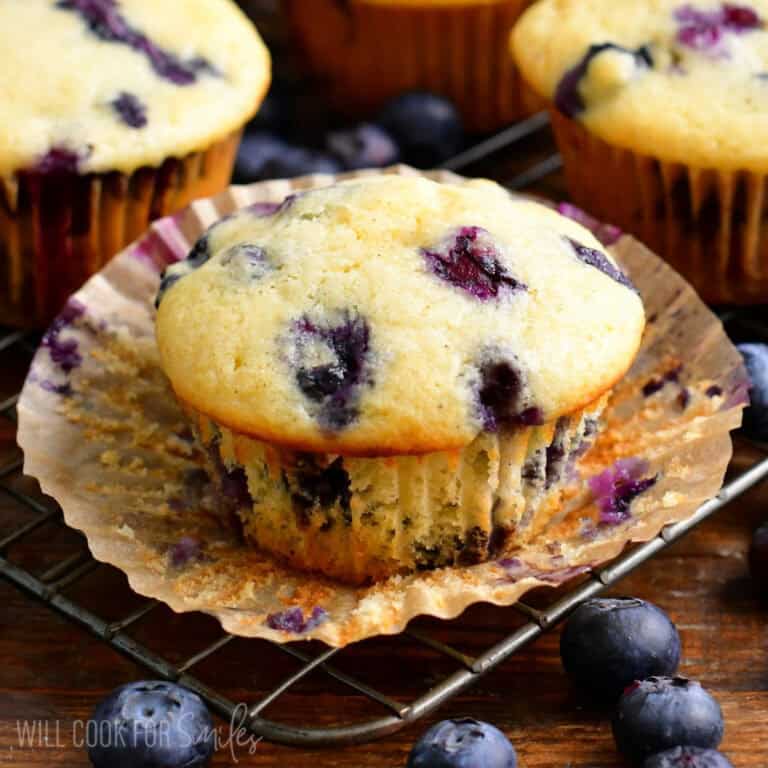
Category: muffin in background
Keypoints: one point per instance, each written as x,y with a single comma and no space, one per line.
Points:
114,112
660,110
392,374
369,51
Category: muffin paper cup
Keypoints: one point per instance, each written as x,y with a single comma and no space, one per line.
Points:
371,52
709,224
404,512
57,229
102,432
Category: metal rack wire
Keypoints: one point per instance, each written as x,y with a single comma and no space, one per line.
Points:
50,586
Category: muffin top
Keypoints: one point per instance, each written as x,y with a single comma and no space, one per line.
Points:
395,315
101,85
683,81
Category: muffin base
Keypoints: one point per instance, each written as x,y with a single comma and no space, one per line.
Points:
365,519
58,229
709,224
460,51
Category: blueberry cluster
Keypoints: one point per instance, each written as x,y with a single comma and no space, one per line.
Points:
419,128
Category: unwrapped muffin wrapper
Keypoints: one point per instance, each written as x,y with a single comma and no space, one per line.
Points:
102,432
709,224
406,512
372,52
57,229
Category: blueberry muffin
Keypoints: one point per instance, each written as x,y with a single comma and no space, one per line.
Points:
393,374
669,100
369,51
114,112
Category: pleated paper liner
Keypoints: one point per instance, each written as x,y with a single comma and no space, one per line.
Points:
57,229
101,431
709,224
369,52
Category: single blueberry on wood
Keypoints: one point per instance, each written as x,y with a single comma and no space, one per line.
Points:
462,743
151,723
470,261
609,643
660,713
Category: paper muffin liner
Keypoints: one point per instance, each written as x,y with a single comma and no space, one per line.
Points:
709,224
371,52
361,520
58,229
102,432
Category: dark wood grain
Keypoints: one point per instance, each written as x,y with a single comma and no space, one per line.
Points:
52,671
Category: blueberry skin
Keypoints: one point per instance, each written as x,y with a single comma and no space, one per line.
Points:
364,146
758,559
151,724
427,127
611,642
665,712
463,743
688,757
755,423
265,156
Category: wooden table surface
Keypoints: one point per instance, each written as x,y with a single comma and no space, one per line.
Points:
53,672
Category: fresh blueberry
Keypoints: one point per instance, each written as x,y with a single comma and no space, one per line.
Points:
462,743
665,712
470,261
131,110
609,643
688,757
568,98
756,415
364,146
758,559
151,723
333,384
593,258
104,20
264,156
426,127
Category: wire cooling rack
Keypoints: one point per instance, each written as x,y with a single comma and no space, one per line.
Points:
519,157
